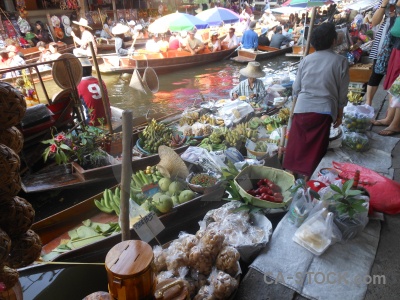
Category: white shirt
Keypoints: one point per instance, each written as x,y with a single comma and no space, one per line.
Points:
84,42
152,46
232,41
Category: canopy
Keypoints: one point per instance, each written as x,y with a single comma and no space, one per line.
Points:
217,15
176,22
306,3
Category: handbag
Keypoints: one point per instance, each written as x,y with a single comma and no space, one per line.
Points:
395,30
384,55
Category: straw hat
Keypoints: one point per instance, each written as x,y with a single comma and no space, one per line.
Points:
119,29
59,74
65,20
131,23
252,70
138,27
171,164
82,22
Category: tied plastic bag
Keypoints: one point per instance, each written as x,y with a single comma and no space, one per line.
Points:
357,118
356,141
395,92
317,233
300,207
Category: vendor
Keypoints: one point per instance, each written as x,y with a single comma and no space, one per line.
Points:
321,88
106,32
252,88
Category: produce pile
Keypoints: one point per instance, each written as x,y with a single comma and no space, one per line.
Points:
154,135
267,190
355,97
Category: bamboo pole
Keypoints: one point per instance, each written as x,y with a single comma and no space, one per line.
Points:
126,172
51,27
103,96
314,9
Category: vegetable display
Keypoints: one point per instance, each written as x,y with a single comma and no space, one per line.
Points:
267,190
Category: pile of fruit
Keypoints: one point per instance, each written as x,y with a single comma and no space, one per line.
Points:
356,141
189,118
266,190
154,135
356,123
355,98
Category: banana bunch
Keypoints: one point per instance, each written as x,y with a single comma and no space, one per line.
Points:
206,143
110,202
284,115
261,146
189,118
142,178
355,98
154,135
233,138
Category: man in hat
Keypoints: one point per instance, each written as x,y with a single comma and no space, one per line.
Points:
118,31
250,38
90,93
252,88
231,40
263,39
86,37
268,19
194,45
279,40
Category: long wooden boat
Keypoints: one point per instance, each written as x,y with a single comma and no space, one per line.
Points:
108,46
32,54
165,62
298,51
262,53
73,175
54,229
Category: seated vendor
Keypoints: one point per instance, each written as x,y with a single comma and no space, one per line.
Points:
252,88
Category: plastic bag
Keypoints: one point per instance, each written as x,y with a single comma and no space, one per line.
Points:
300,207
235,111
383,192
316,233
395,92
356,141
357,118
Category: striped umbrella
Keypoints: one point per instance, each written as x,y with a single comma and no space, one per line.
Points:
307,3
217,15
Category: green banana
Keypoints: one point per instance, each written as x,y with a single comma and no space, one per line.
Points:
102,207
115,208
116,200
106,200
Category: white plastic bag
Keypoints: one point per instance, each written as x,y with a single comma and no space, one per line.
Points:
357,118
300,207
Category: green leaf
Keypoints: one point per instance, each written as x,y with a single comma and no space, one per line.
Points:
87,222
58,158
66,147
347,186
314,194
336,189
354,192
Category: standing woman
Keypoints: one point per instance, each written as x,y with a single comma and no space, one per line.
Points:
385,16
321,88
41,33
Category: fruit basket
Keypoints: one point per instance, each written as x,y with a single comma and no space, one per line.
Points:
282,179
204,182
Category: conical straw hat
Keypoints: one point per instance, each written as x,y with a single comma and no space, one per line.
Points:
171,164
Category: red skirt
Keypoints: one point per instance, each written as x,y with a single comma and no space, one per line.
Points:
393,69
308,142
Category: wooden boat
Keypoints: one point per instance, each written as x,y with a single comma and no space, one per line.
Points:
164,62
183,217
298,51
73,175
31,55
108,46
262,53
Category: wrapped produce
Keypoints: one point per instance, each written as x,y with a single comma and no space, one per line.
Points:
201,259
227,260
223,284
205,293
160,258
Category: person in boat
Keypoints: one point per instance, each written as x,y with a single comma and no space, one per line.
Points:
263,39
279,40
53,47
245,20
252,87
321,88
214,44
89,91
132,31
44,56
173,41
151,45
268,19
163,44
106,32
250,38
83,41
182,40
194,45
14,60
231,40
41,33
118,32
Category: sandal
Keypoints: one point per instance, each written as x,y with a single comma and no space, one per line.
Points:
388,132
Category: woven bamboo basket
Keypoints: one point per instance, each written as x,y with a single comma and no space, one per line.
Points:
12,138
25,249
9,277
12,106
5,246
16,216
10,180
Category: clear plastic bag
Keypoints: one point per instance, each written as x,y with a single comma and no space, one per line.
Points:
316,233
356,141
395,90
357,118
300,207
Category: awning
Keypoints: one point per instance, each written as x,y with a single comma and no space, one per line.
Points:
362,5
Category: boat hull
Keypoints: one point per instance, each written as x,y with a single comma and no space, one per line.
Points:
169,61
263,52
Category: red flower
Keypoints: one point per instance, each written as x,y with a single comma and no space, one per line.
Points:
60,138
53,148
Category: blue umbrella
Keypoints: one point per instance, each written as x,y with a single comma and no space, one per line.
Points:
217,15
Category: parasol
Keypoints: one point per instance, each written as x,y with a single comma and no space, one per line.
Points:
307,3
217,15
176,22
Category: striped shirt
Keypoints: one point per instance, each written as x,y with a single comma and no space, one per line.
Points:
375,45
244,89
